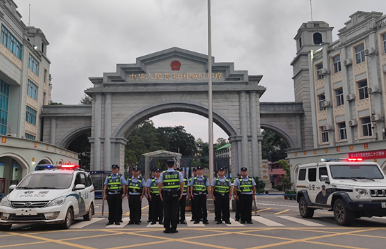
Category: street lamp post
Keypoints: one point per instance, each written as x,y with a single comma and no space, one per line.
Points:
210,109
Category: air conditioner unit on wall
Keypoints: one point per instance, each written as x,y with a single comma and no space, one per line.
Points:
326,104
373,89
376,117
350,97
324,71
352,122
347,62
369,51
327,127
11,134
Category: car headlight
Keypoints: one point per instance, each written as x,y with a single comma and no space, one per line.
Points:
361,192
57,202
5,203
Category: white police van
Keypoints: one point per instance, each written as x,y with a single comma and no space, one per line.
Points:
56,195
351,189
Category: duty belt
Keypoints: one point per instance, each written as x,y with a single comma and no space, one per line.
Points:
222,194
114,191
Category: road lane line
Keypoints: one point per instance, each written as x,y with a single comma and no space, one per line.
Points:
284,211
124,223
262,210
83,224
301,221
266,222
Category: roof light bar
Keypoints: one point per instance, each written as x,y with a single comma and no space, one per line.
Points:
341,159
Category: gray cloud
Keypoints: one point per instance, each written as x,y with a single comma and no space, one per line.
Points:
89,37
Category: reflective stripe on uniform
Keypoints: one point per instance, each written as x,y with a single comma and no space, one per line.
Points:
114,184
221,187
199,186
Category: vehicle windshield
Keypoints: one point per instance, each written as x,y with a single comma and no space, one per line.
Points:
46,181
355,172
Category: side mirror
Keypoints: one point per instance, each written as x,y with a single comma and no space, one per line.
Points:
12,187
324,178
79,186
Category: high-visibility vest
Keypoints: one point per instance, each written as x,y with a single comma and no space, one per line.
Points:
135,187
185,185
221,187
199,185
154,187
114,184
171,180
245,186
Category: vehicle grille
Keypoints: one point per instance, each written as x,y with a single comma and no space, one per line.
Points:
26,217
378,192
28,204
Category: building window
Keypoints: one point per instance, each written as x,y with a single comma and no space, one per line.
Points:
384,42
318,39
30,137
322,98
366,127
362,87
360,53
33,65
30,115
4,94
32,90
342,131
339,97
45,75
300,42
337,66
319,68
11,42
324,135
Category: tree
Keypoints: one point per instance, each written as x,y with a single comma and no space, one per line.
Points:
273,146
86,100
286,181
179,140
220,142
55,103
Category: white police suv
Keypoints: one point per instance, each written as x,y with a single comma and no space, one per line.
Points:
56,195
350,188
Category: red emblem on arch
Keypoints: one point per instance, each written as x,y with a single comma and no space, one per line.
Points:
175,65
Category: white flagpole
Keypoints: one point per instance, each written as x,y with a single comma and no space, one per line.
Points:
211,154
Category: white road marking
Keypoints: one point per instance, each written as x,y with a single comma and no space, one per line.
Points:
301,221
83,224
234,223
124,223
266,222
190,223
155,225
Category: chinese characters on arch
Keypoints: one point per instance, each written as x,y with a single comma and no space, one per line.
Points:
174,76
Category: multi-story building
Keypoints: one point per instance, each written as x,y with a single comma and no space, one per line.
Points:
24,89
342,85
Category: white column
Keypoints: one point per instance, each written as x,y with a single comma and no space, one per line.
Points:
53,131
107,144
97,131
235,156
244,130
254,130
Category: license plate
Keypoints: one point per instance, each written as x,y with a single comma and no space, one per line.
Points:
26,212
383,204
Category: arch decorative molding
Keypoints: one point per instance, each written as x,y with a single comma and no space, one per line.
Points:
23,163
71,135
287,137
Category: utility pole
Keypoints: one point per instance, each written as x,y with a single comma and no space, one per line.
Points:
210,105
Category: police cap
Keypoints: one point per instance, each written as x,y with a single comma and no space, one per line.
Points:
194,169
114,166
199,167
244,169
135,168
157,170
220,169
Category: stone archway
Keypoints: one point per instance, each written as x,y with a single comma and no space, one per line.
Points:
283,134
45,160
66,140
20,160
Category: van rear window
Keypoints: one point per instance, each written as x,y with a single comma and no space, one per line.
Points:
302,175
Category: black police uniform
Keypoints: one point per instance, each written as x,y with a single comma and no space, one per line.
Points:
237,214
113,194
182,202
156,203
135,193
221,193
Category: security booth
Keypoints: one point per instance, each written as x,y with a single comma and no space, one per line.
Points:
98,178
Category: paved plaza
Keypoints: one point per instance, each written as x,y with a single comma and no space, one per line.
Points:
276,224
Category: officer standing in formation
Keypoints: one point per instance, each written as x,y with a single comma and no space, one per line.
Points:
182,202
199,191
114,191
221,194
171,188
136,191
189,191
155,199
245,191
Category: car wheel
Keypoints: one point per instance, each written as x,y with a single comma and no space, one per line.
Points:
304,210
5,227
68,220
342,215
88,216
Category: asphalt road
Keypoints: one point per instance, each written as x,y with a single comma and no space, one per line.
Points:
276,224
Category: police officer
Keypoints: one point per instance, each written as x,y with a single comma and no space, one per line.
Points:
194,170
155,199
147,195
114,191
245,190
237,215
171,188
221,190
136,191
200,192
182,202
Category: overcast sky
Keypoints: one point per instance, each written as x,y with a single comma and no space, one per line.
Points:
89,37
